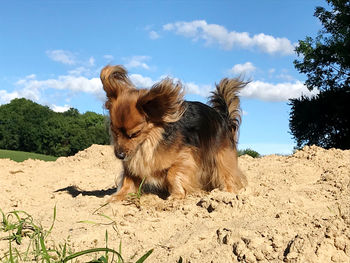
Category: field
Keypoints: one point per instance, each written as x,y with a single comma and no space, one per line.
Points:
19,156
295,209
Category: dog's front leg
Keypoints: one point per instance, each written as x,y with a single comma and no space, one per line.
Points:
181,179
130,185
174,185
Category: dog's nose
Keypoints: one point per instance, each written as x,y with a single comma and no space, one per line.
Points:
120,155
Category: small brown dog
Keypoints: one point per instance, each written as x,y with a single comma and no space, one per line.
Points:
175,145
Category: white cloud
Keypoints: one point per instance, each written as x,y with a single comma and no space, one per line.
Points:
31,76
63,56
136,62
276,92
241,69
272,70
260,90
217,34
65,82
79,71
91,61
60,108
153,35
109,58
201,90
141,82
285,76
31,87
6,96
257,89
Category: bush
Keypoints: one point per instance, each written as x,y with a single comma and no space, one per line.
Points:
249,152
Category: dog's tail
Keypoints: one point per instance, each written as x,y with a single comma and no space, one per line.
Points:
226,102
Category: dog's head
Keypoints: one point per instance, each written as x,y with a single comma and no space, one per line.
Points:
134,113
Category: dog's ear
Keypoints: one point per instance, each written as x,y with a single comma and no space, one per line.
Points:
114,80
163,102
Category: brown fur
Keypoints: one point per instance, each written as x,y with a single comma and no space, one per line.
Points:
138,121
228,90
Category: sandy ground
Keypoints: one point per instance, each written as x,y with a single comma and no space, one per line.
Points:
295,209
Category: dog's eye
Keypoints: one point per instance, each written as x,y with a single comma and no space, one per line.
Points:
133,135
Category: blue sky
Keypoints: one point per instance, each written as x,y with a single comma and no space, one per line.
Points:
52,52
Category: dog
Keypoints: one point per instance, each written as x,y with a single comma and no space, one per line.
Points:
174,145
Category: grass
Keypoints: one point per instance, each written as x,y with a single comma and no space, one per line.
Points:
19,156
28,241
136,197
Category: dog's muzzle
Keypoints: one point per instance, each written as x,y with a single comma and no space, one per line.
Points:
119,154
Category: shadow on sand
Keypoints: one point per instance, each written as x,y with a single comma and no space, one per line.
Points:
74,191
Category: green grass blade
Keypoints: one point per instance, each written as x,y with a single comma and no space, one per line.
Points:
139,192
18,235
106,253
88,222
18,254
105,216
99,260
145,256
15,213
93,250
100,208
4,222
45,254
11,256
53,221
96,223
64,251
120,250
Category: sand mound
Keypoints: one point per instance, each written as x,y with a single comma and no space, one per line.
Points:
295,209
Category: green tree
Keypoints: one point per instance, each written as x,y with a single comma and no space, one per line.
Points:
21,125
324,120
28,126
326,59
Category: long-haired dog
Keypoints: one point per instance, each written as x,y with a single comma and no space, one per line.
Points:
175,145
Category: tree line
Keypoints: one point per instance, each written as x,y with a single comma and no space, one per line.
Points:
31,127
324,120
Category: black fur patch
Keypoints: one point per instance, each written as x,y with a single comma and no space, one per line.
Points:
200,126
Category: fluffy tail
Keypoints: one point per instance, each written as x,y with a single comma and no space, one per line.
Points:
226,102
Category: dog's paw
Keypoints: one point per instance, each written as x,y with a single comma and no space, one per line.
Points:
116,198
176,196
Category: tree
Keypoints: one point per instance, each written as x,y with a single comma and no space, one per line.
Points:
324,120
21,124
28,126
326,59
